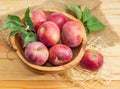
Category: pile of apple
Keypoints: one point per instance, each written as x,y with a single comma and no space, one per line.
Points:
56,36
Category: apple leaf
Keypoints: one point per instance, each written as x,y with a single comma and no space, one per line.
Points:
14,18
12,21
31,37
28,20
14,24
94,24
85,15
14,32
76,9
90,22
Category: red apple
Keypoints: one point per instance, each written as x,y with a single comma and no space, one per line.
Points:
48,33
58,18
72,34
92,60
36,53
38,17
60,54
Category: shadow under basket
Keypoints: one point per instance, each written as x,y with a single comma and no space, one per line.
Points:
78,52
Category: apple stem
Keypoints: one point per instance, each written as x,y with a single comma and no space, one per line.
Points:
38,48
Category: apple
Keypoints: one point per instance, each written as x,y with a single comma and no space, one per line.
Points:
36,53
58,18
92,60
72,34
48,33
38,17
60,54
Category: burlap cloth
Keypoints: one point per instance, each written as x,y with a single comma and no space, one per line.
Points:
107,34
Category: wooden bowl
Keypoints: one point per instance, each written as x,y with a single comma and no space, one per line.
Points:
77,52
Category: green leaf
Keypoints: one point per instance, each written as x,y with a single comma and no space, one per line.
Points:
97,26
5,26
10,24
11,21
23,35
76,9
86,15
79,6
14,32
14,24
31,37
87,31
28,20
92,20
17,29
14,18
94,24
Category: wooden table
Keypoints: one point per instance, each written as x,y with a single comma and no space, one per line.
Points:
111,9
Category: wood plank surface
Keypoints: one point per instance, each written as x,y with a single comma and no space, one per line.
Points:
50,85
12,69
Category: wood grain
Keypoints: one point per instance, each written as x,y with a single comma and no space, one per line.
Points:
6,5
50,85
